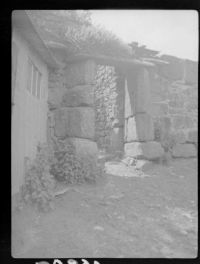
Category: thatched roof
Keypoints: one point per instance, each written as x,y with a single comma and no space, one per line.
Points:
64,32
73,38
22,23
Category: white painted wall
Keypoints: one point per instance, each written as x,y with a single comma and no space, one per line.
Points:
29,114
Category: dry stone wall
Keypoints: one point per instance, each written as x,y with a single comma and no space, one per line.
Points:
71,107
143,112
174,93
57,88
109,108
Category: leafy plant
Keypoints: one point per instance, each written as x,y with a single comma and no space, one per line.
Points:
59,163
70,168
39,183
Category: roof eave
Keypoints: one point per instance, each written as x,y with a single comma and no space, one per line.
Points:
109,60
156,61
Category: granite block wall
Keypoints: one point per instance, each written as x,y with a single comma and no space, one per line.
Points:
174,93
139,127
140,111
71,114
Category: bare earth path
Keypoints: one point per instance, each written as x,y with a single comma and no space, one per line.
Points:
136,217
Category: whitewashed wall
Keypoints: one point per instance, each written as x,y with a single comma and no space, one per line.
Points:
29,114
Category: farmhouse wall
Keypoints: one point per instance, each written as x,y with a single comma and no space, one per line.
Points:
29,114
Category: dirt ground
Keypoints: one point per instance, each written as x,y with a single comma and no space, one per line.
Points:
145,215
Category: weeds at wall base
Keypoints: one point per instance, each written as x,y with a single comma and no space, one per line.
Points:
51,165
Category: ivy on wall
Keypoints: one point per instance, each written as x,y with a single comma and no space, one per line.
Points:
105,103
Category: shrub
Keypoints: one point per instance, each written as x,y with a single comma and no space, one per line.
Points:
70,168
61,164
63,161
39,183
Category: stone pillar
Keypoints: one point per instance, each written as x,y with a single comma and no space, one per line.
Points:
74,116
139,129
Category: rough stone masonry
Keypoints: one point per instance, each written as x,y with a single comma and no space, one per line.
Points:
139,111
139,127
71,107
174,92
